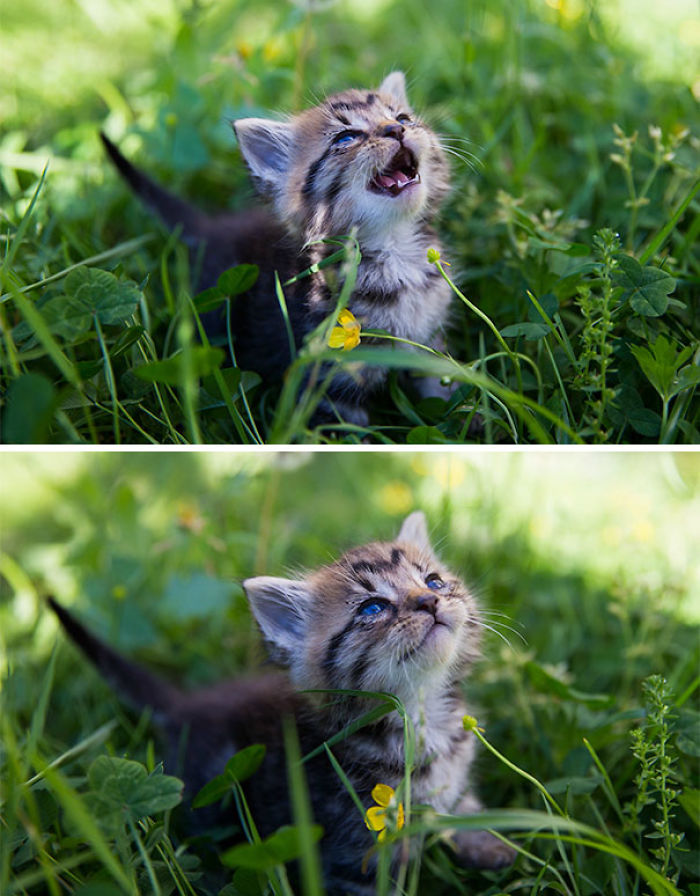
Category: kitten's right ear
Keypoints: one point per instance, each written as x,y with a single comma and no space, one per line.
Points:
414,530
266,146
281,608
395,85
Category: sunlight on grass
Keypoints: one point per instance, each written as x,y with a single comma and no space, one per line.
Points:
614,516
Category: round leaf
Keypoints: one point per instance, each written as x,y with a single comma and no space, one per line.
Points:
172,370
237,280
100,293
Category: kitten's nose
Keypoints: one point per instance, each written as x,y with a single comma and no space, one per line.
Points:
392,129
427,602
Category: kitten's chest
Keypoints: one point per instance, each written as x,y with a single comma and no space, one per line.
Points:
446,751
398,290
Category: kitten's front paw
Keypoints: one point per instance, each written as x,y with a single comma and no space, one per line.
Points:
479,849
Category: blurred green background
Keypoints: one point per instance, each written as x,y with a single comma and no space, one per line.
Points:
171,75
147,546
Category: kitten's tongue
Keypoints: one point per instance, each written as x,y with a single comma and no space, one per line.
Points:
402,171
395,179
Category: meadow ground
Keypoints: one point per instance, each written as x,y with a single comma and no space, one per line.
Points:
587,565
572,224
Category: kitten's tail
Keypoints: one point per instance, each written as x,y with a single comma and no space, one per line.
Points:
170,208
135,684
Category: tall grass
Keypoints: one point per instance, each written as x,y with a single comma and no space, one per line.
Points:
587,727
571,227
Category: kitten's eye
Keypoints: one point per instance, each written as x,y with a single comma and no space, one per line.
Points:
345,138
434,582
372,607
404,119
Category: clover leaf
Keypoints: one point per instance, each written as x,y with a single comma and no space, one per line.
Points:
647,288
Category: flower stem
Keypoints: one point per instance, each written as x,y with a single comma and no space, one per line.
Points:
528,777
487,320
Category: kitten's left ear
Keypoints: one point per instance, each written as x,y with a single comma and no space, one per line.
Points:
266,146
415,531
395,85
281,608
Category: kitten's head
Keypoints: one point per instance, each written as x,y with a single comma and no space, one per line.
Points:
385,617
360,159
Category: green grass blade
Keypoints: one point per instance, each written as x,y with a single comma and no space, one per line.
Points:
661,237
22,228
301,809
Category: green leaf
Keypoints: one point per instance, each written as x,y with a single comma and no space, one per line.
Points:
690,800
126,339
661,363
426,435
546,683
196,596
688,377
574,785
550,306
526,329
67,317
209,299
646,288
628,408
246,762
30,405
237,280
100,293
282,846
239,768
204,360
122,787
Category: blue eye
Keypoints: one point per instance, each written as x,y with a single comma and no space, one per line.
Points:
434,582
346,137
372,607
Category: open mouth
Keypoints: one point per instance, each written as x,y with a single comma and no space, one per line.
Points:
402,172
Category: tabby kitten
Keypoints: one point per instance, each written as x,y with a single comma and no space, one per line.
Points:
385,617
362,162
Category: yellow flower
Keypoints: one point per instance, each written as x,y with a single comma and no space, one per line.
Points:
347,335
376,816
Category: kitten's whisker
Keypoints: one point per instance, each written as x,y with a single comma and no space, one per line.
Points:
491,628
453,138
510,628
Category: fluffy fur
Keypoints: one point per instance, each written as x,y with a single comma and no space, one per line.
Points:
360,162
385,617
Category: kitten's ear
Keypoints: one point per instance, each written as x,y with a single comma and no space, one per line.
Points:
266,146
395,85
281,608
414,530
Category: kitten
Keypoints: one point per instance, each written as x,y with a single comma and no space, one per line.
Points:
360,162
385,617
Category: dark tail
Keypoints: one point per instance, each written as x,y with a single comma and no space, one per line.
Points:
173,210
135,684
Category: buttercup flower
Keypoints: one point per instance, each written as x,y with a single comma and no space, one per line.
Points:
376,816
347,335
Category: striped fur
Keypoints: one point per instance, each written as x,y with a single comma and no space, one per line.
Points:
386,617
361,162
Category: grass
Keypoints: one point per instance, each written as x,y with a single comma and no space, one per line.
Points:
571,228
588,722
